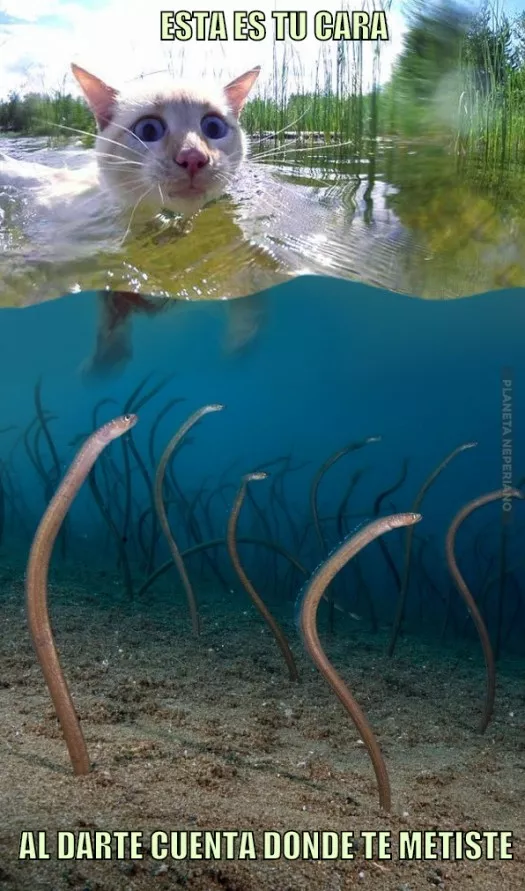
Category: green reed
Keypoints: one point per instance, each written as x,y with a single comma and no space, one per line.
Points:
462,77
329,100
38,114
459,80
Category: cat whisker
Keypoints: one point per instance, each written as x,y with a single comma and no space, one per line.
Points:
329,146
273,206
311,179
291,146
262,199
113,160
133,171
224,177
132,178
312,146
141,198
131,133
122,166
268,154
227,181
276,203
98,136
316,183
133,185
288,127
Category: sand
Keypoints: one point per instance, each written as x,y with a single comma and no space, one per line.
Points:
209,734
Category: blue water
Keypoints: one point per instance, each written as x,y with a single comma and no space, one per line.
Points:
332,362
191,732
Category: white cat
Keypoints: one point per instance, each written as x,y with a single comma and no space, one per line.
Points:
176,147
173,147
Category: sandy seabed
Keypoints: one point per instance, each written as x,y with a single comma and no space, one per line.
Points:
209,734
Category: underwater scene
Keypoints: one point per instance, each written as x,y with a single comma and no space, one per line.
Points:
263,591
262,463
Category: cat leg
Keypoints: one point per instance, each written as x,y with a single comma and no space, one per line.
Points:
113,347
245,319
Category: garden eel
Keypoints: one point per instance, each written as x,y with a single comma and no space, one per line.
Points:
161,511
259,604
402,598
314,591
36,584
468,598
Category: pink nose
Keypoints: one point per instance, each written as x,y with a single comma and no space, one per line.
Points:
192,159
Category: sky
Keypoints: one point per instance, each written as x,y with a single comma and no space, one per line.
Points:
119,40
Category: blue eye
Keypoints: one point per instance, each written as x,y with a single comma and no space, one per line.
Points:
149,129
214,127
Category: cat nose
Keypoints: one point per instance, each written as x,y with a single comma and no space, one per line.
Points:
192,159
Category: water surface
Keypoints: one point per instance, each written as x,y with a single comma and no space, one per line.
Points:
408,217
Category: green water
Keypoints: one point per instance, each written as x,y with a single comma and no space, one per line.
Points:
410,217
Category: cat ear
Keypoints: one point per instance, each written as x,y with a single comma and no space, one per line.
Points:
237,91
100,97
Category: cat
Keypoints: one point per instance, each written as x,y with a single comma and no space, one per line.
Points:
113,345
171,148
174,149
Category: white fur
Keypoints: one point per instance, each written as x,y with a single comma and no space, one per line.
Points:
74,212
136,169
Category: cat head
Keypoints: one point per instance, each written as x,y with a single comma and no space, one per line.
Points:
177,147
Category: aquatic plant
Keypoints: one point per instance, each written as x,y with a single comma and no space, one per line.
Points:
467,596
262,515
3,472
221,542
503,554
36,585
333,459
401,604
103,504
39,428
31,444
161,512
11,492
314,489
376,511
279,497
315,590
41,414
504,571
259,604
192,526
2,502
108,519
341,512
135,404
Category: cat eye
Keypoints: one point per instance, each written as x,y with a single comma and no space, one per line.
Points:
149,129
214,127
